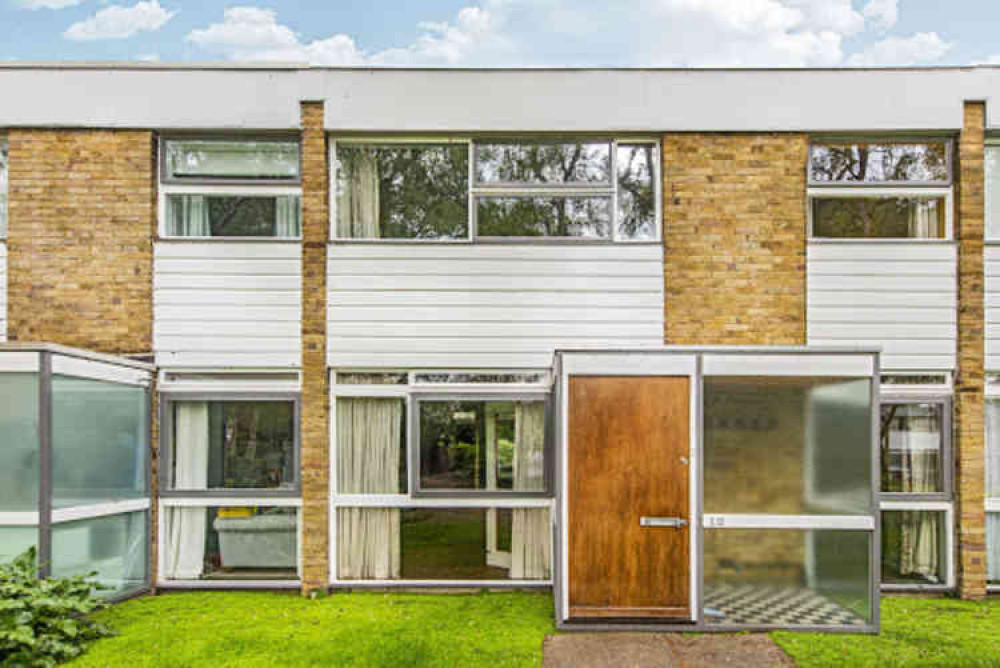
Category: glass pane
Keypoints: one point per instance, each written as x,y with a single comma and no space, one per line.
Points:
485,378
444,544
211,159
15,540
233,445
3,187
878,218
636,191
578,217
992,192
914,547
231,543
544,163
992,449
116,547
19,451
233,216
787,577
403,192
787,446
371,446
911,445
879,162
482,445
99,436
993,548
350,378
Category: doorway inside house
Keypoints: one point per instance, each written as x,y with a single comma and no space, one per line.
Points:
628,494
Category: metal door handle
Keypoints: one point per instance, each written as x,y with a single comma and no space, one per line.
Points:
675,522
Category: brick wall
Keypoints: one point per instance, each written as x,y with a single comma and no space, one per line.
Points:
735,235
315,379
969,435
81,218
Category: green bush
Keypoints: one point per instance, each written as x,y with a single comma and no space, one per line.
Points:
44,622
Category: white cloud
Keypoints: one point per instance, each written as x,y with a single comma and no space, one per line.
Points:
47,4
921,47
882,13
118,22
704,33
148,57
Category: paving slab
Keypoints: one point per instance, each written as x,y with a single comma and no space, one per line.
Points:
662,650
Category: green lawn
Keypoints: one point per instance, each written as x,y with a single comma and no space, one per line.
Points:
915,632
358,629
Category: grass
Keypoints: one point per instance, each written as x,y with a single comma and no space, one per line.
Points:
346,629
915,632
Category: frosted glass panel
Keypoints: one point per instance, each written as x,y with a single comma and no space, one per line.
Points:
19,447
115,547
15,540
789,446
99,432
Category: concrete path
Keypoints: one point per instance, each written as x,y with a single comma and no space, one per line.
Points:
662,650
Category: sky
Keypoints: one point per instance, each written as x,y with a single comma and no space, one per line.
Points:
508,33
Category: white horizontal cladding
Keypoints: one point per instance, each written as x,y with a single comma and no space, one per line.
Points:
488,305
227,304
899,296
991,261
3,291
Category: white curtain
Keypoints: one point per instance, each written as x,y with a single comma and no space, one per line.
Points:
919,553
993,548
530,532
287,209
185,527
369,443
191,220
924,219
358,199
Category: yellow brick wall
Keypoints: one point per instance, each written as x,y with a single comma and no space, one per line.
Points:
734,215
81,216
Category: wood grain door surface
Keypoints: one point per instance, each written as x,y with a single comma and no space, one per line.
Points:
628,450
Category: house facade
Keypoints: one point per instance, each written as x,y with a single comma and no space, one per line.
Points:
706,349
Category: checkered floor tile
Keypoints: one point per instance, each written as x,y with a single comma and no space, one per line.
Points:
784,606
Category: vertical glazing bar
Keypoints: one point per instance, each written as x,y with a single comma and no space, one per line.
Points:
45,464
876,547
698,513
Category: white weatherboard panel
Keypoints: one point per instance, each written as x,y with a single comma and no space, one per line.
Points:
991,260
227,304
488,305
3,292
901,297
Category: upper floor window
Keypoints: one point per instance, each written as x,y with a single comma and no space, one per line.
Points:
3,187
600,190
993,189
880,190
230,188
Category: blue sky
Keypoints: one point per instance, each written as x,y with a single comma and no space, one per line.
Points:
456,33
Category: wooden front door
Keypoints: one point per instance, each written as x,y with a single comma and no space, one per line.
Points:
628,460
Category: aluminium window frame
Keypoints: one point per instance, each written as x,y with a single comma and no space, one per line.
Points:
476,190
891,396
819,140
4,186
221,186
948,550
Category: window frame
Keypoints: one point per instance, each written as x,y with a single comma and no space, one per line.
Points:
4,186
992,141
476,190
263,495
220,186
882,189
948,549
947,450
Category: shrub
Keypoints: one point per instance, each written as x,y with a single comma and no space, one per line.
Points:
44,622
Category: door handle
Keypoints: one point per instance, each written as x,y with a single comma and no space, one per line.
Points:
674,522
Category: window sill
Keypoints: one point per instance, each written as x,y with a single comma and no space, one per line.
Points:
891,242
218,240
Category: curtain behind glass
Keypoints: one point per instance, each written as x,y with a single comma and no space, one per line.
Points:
358,197
188,216
993,449
919,553
993,548
287,209
530,535
186,526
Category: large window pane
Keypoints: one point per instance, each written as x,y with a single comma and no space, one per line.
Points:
444,544
879,162
993,548
371,446
992,192
911,446
914,547
541,163
482,446
787,446
233,445
544,216
213,159
403,191
19,446
636,191
231,543
15,540
878,218
99,440
787,577
233,216
992,448
115,547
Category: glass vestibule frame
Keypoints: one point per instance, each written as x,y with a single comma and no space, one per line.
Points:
410,392
476,189
941,501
